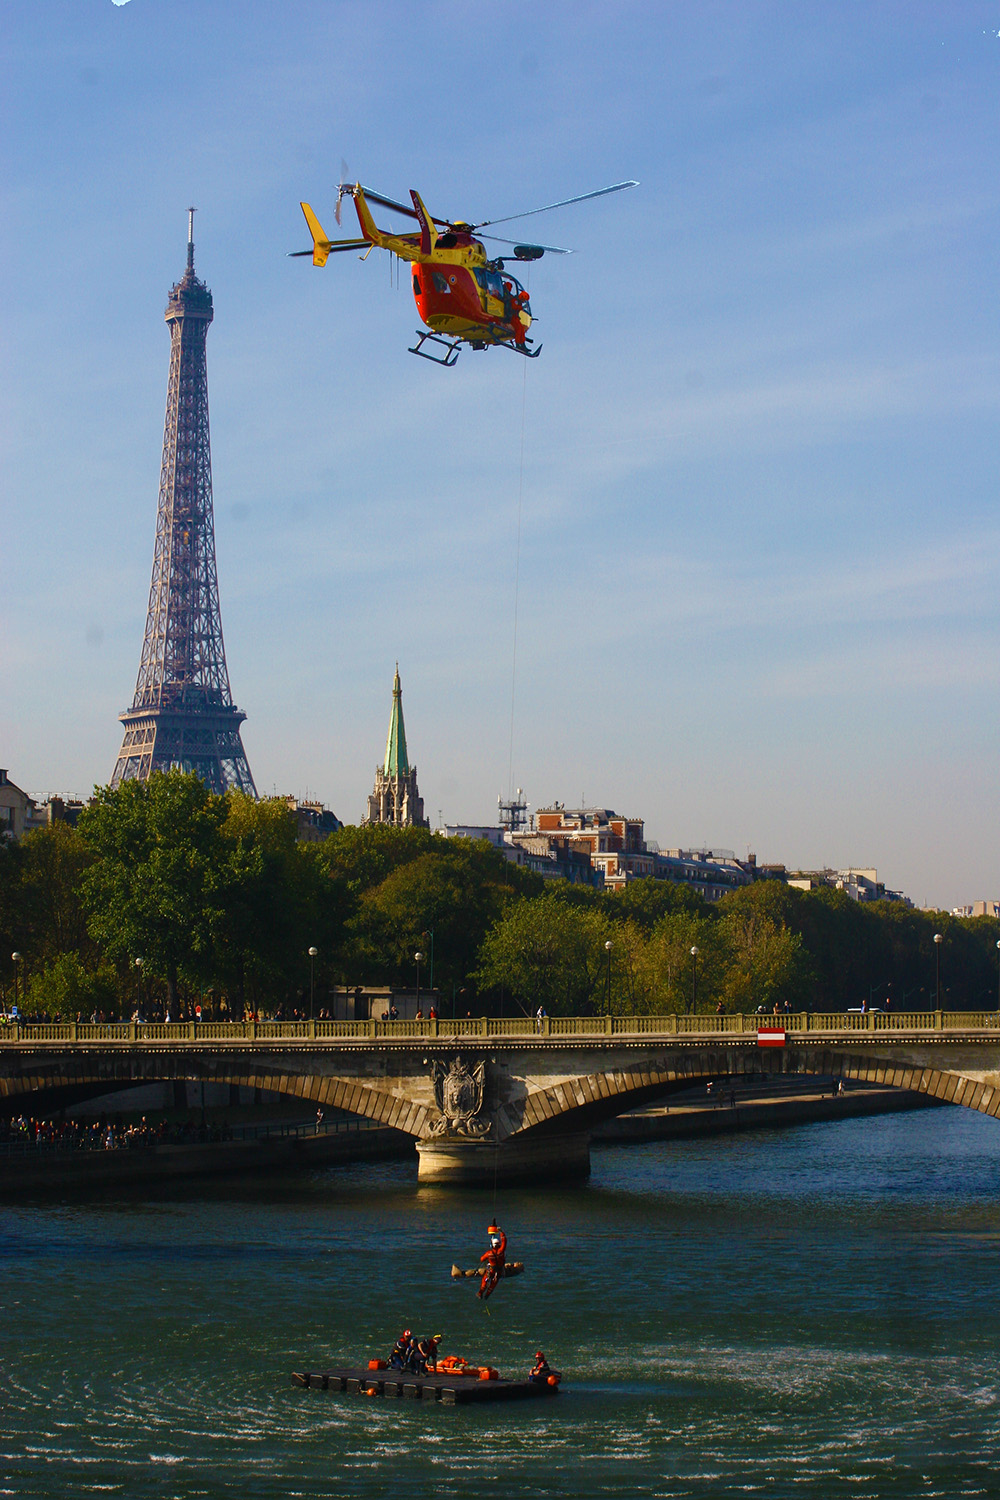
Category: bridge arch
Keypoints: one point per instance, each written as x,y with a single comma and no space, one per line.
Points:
357,1096
578,1103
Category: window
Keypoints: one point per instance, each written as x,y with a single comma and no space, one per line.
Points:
491,282
440,282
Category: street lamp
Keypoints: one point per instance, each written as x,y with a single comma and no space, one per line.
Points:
607,948
419,957
138,989
15,959
430,976
694,979
312,987
938,940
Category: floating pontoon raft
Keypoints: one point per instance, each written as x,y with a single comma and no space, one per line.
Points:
450,1390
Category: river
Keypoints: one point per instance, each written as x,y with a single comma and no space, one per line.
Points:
809,1312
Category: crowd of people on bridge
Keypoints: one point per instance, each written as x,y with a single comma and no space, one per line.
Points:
105,1134
182,1014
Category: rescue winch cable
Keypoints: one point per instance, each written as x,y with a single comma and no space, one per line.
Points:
517,586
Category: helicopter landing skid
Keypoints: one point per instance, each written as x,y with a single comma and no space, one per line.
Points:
520,349
452,348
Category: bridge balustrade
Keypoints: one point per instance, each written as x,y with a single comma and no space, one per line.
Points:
579,1025
102,1031
470,1029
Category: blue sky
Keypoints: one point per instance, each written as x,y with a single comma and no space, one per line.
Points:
759,540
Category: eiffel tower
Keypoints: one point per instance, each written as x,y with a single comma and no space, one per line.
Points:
183,715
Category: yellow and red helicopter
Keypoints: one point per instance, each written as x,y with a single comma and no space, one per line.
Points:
462,295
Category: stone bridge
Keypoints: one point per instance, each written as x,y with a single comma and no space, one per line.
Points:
490,1100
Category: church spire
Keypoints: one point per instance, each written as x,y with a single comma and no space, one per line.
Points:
395,798
396,763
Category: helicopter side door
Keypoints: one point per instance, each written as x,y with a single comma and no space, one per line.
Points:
493,296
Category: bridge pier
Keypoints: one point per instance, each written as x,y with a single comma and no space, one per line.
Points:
451,1161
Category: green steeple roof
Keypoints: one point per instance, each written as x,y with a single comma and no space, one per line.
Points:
396,762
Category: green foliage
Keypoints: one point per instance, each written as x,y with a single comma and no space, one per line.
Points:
547,952
64,989
363,857
41,910
666,976
55,859
217,893
270,900
646,902
453,888
765,962
152,890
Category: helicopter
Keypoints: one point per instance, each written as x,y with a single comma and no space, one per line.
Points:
462,295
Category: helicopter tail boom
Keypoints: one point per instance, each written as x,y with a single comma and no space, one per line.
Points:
368,226
321,245
428,233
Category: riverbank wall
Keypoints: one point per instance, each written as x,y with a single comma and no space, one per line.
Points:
42,1170
679,1122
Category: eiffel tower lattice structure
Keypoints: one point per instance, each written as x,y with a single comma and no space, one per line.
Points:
183,715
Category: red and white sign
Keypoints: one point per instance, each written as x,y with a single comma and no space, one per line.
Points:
770,1038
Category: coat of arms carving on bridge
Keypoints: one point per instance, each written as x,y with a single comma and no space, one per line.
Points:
460,1092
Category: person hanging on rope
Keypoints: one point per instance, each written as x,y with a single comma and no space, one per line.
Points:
494,1257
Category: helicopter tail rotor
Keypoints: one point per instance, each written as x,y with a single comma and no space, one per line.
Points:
344,188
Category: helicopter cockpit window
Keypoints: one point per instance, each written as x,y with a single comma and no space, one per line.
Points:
440,282
490,281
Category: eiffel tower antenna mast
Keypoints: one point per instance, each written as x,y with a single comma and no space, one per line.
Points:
183,715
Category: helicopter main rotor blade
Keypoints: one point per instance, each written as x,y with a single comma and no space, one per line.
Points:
332,249
615,187
400,208
549,249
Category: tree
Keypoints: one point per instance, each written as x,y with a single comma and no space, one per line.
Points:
55,859
363,857
766,963
152,890
545,952
456,888
648,901
668,973
271,899
65,988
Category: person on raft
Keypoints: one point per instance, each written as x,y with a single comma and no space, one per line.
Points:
428,1349
421,1355
400,1351
542,1369
495,1258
